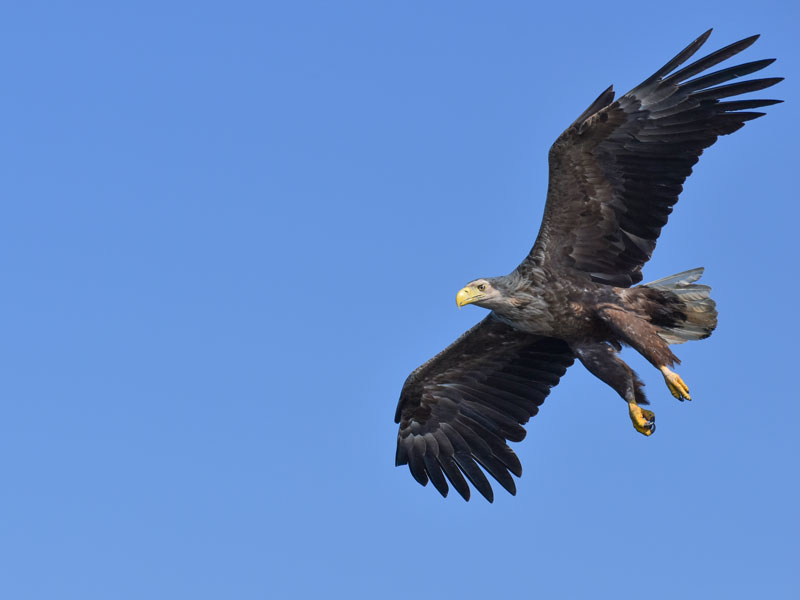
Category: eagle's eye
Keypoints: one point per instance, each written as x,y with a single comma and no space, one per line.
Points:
481,287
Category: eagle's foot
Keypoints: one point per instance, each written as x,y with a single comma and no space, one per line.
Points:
676,385
644,421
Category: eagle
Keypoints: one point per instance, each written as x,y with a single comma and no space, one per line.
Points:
614,176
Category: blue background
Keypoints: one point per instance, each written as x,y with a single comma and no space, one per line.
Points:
228,233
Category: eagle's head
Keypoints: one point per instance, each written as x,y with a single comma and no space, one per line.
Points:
486,292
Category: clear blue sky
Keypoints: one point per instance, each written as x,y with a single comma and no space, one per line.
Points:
230,230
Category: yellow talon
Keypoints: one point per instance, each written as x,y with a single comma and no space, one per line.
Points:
644,421
676,385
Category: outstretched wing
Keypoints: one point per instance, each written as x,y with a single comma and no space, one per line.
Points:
458,409
617,171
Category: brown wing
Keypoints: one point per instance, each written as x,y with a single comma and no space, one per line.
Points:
616,172
458,409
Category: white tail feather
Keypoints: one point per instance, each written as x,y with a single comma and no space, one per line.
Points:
699,308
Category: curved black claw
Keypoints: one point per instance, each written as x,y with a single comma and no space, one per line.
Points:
651,425
644,421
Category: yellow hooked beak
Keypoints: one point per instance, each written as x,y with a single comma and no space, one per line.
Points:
468,295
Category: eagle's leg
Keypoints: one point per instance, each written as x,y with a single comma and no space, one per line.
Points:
642,336
602,361
675,384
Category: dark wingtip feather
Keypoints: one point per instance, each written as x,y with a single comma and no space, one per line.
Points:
436,476
401,455
605,98
744,43
702,38
473,472
678,60
512,462
417,470
455,476
734,105
712,59
751,39
499,472
712,79
734,89
515,434
416,460
749,116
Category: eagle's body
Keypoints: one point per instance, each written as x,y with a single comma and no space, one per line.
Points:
551,305
615,174
573,309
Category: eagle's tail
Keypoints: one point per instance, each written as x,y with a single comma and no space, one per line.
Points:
693,315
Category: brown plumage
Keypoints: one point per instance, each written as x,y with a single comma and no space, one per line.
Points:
615,174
